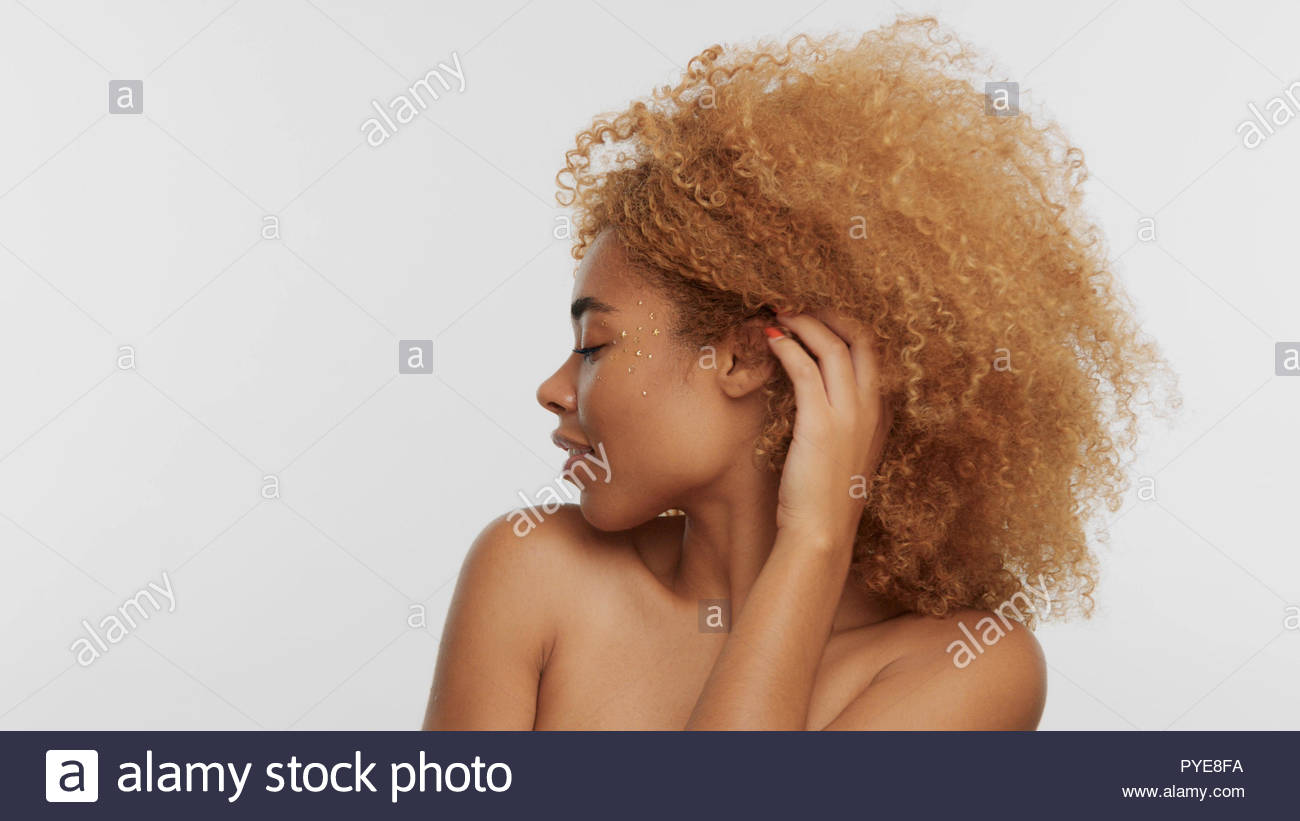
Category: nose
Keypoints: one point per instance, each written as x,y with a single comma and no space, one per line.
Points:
557,394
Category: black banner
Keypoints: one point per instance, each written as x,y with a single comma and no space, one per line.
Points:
648,774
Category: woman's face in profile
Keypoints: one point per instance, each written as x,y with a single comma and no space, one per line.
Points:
652,413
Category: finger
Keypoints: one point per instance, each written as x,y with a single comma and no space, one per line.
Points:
832,356
861,338
809,390
862,350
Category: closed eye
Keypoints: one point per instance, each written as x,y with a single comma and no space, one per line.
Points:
587,352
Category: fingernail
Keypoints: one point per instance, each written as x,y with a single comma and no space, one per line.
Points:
773,332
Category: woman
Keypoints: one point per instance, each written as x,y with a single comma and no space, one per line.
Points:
853,331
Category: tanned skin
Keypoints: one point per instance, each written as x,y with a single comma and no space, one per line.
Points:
591,619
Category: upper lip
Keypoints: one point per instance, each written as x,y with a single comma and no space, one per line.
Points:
565,443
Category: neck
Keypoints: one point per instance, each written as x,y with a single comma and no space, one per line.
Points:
729,533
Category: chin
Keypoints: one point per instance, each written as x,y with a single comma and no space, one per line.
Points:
608,514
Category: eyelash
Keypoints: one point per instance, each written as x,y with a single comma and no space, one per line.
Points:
587,352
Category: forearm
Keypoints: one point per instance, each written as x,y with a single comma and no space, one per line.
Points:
763,678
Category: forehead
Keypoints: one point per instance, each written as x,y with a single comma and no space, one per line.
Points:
605,273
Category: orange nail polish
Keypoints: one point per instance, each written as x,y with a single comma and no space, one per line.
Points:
773,332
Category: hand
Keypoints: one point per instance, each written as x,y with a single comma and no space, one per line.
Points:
839,430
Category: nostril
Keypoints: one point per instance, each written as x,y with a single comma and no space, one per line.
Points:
556,394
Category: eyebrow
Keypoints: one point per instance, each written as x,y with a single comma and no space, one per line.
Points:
589,303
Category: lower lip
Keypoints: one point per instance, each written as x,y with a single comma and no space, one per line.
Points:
573,460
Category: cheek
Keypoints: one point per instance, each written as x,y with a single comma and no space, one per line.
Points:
629,378
605,400
662,433
634,400
658,446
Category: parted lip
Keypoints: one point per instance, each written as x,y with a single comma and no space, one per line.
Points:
565,443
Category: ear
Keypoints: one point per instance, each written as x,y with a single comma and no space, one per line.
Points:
745,362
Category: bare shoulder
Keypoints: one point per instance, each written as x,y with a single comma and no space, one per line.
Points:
528,555
524,535
541,562
970,670
509,576
504,619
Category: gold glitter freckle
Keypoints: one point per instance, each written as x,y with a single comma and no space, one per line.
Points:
638,353
652,314
643,393
623,334
656,332
638,302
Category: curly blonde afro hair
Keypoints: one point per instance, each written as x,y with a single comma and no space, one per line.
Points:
866,176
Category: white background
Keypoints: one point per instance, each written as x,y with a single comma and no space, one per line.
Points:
260,357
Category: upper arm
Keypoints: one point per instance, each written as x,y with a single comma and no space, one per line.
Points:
496,637
1002,688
